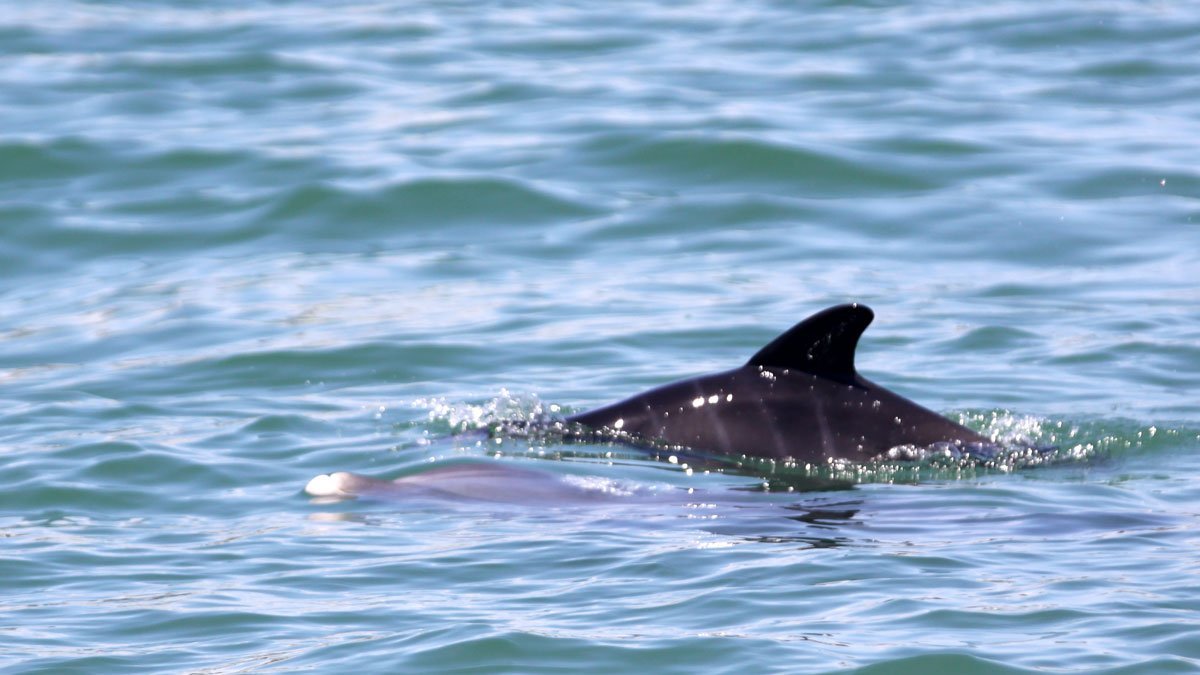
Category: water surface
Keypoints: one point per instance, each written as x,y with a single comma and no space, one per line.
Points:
245,244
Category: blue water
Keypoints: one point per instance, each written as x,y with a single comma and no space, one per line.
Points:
246,244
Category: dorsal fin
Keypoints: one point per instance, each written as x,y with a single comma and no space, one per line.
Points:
823,344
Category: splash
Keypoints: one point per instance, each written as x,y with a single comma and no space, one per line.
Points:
506,409
524,425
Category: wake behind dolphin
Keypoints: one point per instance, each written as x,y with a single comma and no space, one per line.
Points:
798,399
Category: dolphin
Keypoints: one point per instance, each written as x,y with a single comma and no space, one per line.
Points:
478,481
798,399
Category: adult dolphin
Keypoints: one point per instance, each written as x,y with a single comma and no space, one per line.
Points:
799,398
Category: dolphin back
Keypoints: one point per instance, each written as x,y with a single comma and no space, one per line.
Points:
799,397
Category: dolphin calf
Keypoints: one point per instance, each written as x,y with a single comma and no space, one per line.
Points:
798,399
479,481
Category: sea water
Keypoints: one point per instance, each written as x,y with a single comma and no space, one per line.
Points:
244,244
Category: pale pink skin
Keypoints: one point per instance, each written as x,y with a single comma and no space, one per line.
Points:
488,481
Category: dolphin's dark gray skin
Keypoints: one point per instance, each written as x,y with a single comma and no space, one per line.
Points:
799,398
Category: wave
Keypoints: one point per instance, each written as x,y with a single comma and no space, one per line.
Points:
326,210
733,161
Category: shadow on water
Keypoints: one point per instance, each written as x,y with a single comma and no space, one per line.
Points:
821,524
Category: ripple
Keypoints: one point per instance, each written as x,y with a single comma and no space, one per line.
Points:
339,212
212,64
590,43
27,161
731,161
946,662
995,338
1125,183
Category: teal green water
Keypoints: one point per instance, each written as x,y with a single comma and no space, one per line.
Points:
244,244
